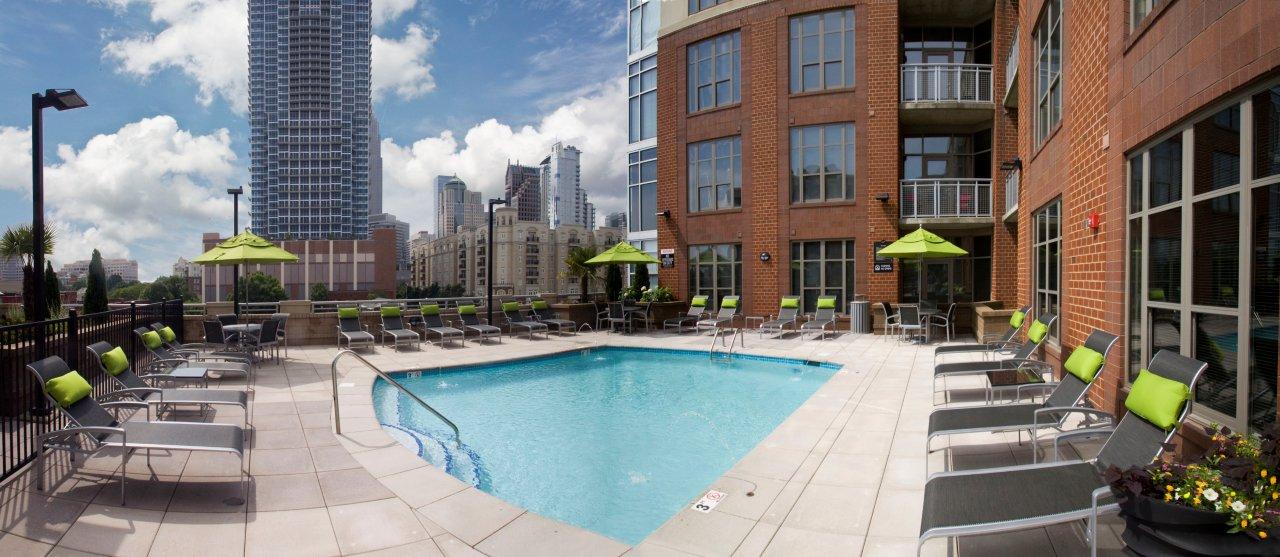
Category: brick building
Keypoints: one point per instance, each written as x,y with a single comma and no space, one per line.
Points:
350,269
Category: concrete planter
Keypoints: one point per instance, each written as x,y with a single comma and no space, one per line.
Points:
577,312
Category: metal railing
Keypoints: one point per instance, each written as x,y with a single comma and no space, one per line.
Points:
337,417
1011,191
1011,64
946,197
946,83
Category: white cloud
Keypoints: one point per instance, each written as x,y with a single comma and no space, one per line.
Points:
595,123
386,11
146,191
400,66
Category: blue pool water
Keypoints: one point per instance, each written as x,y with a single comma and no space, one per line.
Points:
612,440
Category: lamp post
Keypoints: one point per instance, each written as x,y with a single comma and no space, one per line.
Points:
488,282
235,229
64,99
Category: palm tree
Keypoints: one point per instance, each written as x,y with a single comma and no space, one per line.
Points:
576,267
16,243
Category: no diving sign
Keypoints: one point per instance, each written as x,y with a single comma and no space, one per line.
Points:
708,501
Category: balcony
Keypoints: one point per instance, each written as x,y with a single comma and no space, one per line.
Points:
948,201
1011,195
1011,74
946,93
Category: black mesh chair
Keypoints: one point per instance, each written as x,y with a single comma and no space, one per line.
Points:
145,388
1021,356
1003,343
891,319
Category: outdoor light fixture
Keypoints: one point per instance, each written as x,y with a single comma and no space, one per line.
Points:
765,257
882,197
1015,164
663,214
65,99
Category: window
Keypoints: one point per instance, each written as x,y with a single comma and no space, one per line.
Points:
822,51
947,45
696,6
643,31
715,271
642,107
1140,9
715,174
1048,39
1047,248
822,268
642,190
947,156
714,66
943,281
822,166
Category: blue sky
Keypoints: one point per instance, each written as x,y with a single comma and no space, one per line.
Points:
460,86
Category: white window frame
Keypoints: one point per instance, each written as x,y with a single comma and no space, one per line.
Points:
1048,34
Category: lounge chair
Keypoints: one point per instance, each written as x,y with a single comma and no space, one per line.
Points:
91,427
788,313
511,310
393,327
543,313
689,321
113,364
1036,334
166,360
1083,368
433,325
728,311
970,502
824,318
1005,342
351,330
171,341
472,322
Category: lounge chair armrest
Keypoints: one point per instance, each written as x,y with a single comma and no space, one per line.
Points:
119,394
1074,410
88,431
141,392
1042,386
1014,363
998,344
119,404
1078,433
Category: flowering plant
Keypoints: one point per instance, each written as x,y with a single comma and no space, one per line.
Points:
658,294
1235,477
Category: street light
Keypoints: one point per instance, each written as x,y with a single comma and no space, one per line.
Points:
235,229
65,99
489,259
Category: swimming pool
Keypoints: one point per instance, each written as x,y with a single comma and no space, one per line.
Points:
614,440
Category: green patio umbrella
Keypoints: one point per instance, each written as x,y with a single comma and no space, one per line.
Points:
623,253
243,249
921,244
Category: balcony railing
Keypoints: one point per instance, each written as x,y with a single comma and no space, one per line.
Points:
1011,64
1011,193
946,83
946,197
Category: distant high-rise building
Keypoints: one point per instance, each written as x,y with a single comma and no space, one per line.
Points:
456,206
126,268
561,180
524,192
616,220
309,118
10,269
388,220
375,165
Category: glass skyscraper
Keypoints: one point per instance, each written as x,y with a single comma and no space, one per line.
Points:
309,112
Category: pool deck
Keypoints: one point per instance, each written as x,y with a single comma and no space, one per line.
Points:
843,475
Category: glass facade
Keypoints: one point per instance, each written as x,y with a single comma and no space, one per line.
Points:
715,174
715,271
943,281
946,155
643,21
822,51
715,67
642,100
1047,262
1048,69
822,163
822,268
947,45
642,190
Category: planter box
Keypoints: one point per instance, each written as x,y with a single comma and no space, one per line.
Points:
1156,528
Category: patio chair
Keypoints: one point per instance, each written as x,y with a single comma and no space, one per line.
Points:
114,364
543,313
166,360
264,340
644,316
947,322
971,502
1016,321
824,318
280,334
909,321
1083,368
393,327
1036,334
351,330
472,322
617,317
891,319
511,310
228,318
728,311
788,314
697,311
171,340
91,427
432,324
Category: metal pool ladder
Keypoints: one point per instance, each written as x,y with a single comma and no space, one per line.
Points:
734,340
337,418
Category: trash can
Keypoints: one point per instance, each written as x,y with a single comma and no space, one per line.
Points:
860,316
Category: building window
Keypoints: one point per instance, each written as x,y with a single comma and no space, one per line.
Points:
715,174
1048,40
642,190
947,45
642,106
715,271
822,166
714,66
822,51
947,156
650,247
1047,260
1140,9
644,21
696,6
822,268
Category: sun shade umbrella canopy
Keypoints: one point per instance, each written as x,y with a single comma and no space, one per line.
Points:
245,248
623,253
921,244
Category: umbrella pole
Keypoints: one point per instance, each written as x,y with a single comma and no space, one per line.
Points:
235,289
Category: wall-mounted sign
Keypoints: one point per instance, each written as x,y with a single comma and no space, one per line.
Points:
667,258
881,264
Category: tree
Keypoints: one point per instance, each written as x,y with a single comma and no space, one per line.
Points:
169,288
129,292
17,243
95,295
576,267
261,287
52,290
641,278
114,282
612,282
319,292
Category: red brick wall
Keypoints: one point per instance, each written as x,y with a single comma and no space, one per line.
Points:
883,149
1004,147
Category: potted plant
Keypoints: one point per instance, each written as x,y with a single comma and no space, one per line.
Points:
1226,502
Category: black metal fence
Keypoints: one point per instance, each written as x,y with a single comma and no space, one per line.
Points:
24,413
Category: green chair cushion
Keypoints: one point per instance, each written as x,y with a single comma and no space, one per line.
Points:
729,302
152,339
826,303
790,303
510,306
431,309
348,313
167,334
68,388
540,304
699,301
1157,399
1017,318
467,310
1084,363
1037,331
390,311
115,361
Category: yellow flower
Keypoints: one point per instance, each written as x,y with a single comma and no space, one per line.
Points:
1244,523
1264,472
1273,480
1262,535
1168,487
1275,495
1196,501
1168,497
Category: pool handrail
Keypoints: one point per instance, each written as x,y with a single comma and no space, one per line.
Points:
337,418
